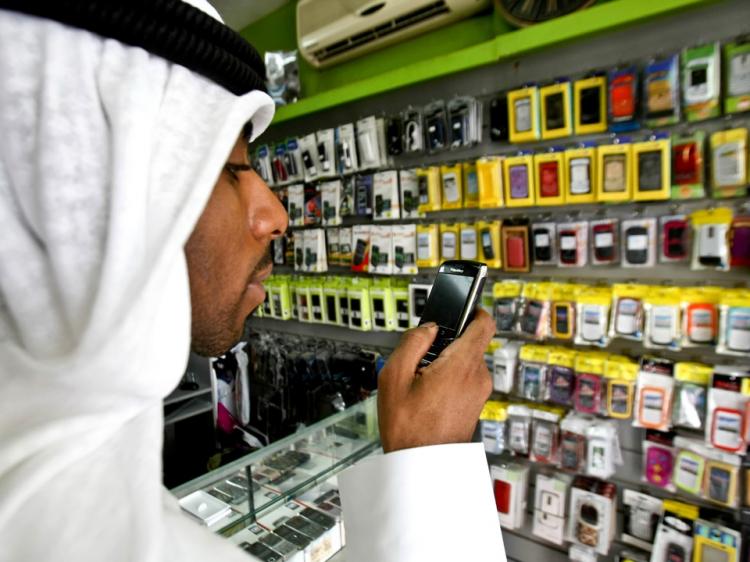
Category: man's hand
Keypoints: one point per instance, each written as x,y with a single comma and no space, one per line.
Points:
439,403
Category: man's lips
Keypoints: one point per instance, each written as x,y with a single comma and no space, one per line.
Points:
262,275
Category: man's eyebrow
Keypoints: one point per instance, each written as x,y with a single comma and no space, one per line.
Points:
238,167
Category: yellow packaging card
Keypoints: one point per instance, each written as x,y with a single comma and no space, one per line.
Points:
590,105
452,179
614,180
428,245
518,181
523,115
429,189
450,247
488,233
580,175
490,182
652,170
555,103
471,185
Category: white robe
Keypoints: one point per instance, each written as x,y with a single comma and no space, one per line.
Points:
108,155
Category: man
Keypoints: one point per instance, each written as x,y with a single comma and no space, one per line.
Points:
116,121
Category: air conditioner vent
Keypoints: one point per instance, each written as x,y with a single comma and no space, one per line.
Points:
407,20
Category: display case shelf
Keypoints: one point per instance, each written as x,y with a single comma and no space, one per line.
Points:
281,471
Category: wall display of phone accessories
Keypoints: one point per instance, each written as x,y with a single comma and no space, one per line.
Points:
657,317
562,410
281,502
573,182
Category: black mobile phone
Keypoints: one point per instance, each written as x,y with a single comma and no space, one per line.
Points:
486,236
454,296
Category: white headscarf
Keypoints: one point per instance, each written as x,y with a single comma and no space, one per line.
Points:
108,155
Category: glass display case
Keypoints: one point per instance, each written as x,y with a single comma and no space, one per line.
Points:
245,499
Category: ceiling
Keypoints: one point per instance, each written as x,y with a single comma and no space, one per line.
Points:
238,14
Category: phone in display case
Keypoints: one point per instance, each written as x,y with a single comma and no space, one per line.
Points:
499,119
453,298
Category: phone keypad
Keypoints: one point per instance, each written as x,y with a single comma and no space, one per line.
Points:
443,339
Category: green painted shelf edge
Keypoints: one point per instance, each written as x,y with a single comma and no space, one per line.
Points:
604,17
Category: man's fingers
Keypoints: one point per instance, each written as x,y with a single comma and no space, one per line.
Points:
477,335
405,358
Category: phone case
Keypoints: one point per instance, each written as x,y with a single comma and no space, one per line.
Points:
620,399
580,181
653,408
519,181
614,173
720,484
588,393
516,248
728,429
556,110
688,474
590,103
659,465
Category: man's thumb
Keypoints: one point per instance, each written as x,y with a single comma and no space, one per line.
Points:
412,347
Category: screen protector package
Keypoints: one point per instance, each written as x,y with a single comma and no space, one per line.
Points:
623,99
688,178
382,305
363,195
518,180
592,316
385,195
504,364
453,186
471,185
627,311
700,315
728,399
562,324
404,249
662,328
691,386
413,131
661,91
737,76
345,246
519,428
346,149
436,126
734,328
523,113
507,296
465,119
701,81
713,541
330,195
642,513
533,312
429,190
368,143
674,535
573,442
468,240
604,452
490,182
361,234
450,248
710,248
492,426
296,204
587,397
326,146
409,190
729,166
428,245
561,376
580,166
620,374
652,168
658,460
545,435
590,103
381,249
555,101
654,391
614,178
532,372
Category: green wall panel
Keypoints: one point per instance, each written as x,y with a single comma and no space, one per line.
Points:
473,42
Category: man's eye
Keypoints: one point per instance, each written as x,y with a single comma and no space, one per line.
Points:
234,169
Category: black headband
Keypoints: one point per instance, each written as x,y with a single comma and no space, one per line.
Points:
170,29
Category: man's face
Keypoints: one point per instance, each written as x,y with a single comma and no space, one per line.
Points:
228,254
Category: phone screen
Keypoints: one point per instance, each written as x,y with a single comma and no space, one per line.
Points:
448,299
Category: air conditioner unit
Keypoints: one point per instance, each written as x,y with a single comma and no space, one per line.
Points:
332,31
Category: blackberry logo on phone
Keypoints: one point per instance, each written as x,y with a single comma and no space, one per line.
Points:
451,304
